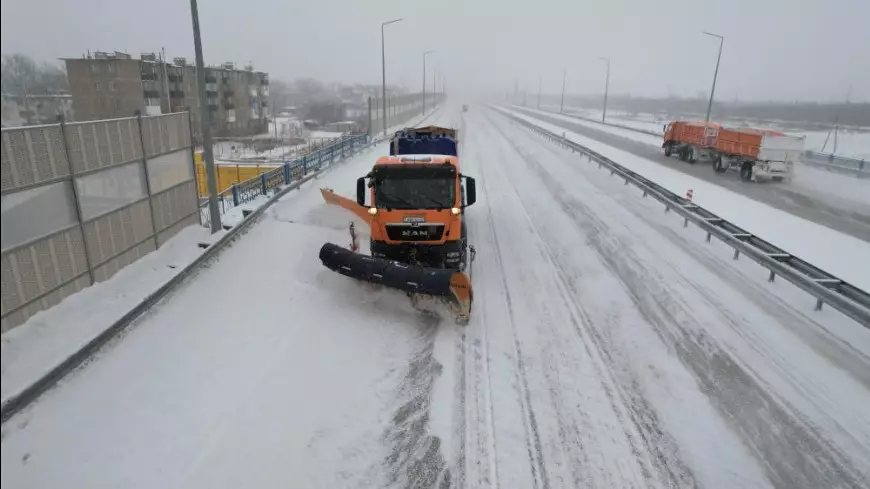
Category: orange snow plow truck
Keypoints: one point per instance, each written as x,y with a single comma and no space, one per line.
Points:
416,214
758,154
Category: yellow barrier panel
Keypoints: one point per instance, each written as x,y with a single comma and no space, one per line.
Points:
227,174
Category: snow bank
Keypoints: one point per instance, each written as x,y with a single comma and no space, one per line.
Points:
830,250
640,137
32,349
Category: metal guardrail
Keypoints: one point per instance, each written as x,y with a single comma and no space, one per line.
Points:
825,287
841,164
285,174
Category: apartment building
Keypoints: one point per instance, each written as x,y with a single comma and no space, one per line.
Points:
109,85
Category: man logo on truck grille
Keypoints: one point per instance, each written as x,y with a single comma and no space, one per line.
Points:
414,219
415,233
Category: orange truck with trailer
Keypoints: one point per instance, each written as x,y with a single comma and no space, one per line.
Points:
758,154
414,201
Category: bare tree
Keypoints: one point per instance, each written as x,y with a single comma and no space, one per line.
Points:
19,74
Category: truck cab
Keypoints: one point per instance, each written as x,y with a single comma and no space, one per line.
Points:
417,198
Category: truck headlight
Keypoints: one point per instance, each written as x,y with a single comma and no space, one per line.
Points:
455,211
373,210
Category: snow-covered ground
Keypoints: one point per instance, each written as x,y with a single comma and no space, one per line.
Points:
48,338
850,143
608,347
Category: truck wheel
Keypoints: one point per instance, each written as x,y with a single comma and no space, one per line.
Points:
668,149
682,154
690,156
746,171
718,167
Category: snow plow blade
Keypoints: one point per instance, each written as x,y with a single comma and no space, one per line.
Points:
452,285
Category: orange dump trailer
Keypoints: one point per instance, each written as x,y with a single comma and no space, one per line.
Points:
755,153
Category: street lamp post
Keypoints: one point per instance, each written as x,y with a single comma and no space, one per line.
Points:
434,87
384,73
606,88
562,103
425,53
205,125
715,73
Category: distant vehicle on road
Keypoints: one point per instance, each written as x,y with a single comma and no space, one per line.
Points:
464,108
758,154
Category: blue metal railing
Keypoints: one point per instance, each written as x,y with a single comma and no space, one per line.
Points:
291,171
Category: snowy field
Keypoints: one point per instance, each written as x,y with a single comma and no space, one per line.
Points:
608,347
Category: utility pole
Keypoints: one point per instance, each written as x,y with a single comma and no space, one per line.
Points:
275,124
384,74
606,89
205,125
562,103
715,73
166,80
540,80
434,87
425,53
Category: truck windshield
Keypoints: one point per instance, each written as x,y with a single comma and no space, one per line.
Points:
415,193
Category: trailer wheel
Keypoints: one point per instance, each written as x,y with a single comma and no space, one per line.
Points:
718,167
746,171
668,149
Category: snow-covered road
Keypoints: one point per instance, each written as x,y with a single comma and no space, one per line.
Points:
609,347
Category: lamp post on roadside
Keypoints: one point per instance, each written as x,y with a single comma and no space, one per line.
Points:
214,213
425,53
562,103
434,87
715,73
606,88
384,73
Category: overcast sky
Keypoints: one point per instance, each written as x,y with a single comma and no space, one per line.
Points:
774,49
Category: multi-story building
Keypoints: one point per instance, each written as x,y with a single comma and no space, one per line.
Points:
115,85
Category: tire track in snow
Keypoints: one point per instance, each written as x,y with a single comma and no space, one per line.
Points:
415,457
789,449
478,371
627,394
533,439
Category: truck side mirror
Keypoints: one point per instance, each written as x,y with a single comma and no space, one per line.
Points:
361,191
470,191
